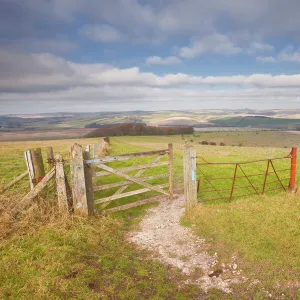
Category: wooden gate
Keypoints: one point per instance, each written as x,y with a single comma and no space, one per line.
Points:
85,171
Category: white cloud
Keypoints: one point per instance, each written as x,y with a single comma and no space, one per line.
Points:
102,33
108,98
288,54
266,59
156,60
47,82
259,47
215,43
46,72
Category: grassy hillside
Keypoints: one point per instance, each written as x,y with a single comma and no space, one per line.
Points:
50,258
255,138
43,256
257,122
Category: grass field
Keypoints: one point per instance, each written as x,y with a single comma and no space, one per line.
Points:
55,259
255,138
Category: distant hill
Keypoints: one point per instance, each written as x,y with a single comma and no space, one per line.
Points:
257,122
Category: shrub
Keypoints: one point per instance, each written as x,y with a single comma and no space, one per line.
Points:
222,144
205,143
212,143
192,141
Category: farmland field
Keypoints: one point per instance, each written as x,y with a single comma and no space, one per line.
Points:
43,134
262,232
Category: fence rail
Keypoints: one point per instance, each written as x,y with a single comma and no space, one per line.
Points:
82,166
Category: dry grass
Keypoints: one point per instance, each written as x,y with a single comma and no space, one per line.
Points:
15,220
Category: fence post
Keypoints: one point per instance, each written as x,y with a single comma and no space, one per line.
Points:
171,171
293,169
88,174
61,185
50,157
78,181
29,165
190,183
35,166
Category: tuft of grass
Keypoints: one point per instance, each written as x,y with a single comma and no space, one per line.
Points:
263,232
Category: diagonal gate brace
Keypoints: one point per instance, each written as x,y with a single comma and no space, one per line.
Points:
136,180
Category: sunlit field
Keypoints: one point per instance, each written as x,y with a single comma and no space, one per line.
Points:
90,259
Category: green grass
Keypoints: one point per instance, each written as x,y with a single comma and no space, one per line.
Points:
256,122
250,138
91,259
263,232
84,260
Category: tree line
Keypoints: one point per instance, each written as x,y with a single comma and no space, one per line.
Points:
139,129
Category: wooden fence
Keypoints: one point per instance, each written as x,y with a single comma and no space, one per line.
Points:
78,198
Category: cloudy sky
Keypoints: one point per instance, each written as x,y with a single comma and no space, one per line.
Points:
106,55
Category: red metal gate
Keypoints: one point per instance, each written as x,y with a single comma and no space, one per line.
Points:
230,188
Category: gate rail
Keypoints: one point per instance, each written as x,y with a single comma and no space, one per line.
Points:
83,171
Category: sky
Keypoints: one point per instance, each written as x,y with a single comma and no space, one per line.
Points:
119,55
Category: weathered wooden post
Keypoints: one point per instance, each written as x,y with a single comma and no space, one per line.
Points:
190,182
171,171
35,166
88,174
61,187
50,157
293,169
79,190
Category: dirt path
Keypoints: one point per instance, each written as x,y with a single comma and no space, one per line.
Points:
169,242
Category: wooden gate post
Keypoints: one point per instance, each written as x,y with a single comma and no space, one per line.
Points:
61,185
78,181
171,172
88,174
293,169
35,166
190,182
50,157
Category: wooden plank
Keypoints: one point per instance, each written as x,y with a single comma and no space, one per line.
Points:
14,181
124,183
131,205
88,174
136,180
190,182
78,181
128,194
37,189
61,185
125,156
29,165
160,164
171,174
138,174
